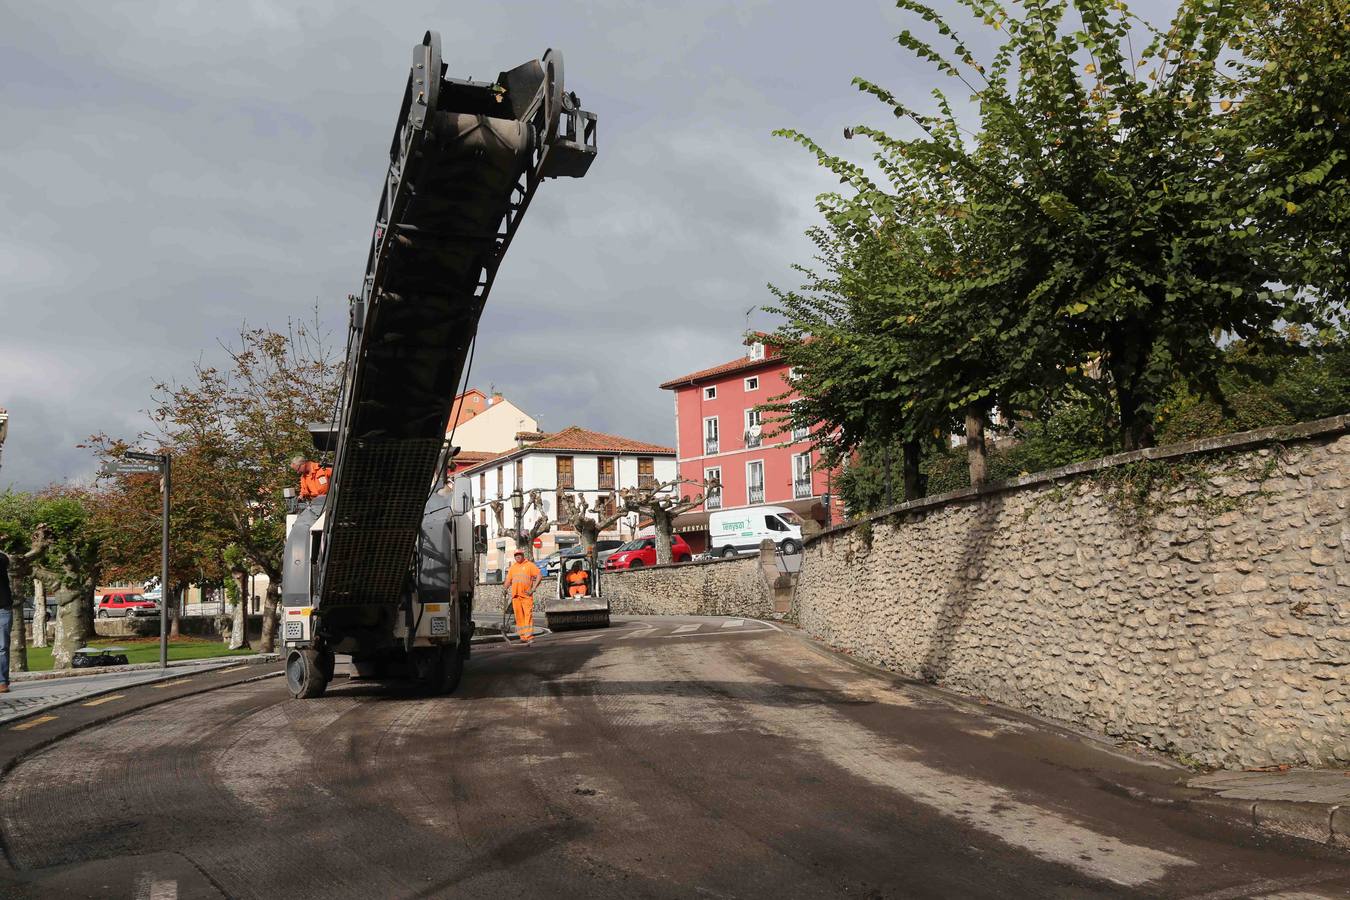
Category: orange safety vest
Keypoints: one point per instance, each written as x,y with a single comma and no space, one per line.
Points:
314,480
519,577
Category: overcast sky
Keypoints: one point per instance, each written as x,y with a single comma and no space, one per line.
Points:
170,170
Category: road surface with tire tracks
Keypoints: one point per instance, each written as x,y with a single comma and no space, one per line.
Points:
662,757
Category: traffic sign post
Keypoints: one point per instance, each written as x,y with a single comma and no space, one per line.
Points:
151,464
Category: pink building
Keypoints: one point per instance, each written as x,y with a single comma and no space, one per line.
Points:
758,460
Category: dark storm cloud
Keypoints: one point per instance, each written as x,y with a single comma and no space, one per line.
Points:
170,170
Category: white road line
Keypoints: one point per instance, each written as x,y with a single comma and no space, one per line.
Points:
583,638
733,623
638,632
684,628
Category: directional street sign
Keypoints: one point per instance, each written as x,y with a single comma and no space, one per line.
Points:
129,468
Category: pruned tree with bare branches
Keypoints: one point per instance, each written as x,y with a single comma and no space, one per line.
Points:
575,512
524,537
660,502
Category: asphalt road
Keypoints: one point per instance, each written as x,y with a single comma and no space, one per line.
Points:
658,758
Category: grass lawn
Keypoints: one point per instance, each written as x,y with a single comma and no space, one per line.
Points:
144,650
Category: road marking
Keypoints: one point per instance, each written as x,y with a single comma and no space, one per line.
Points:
733,623
32,723
102,700
638,632
164,684
685,628
584,637
1264,888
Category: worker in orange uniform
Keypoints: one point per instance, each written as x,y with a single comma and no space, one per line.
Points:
313,477
576,581
521,580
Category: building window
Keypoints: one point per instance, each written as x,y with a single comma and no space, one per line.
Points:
710,393
752,428
501,481
793,374
604,506
606,473
799,432
713,499
756,350
752,384
801,475
520,474
482,516
710,435
565,477
482,487
646,471
754,482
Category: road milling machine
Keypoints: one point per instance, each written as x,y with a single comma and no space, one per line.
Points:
381,568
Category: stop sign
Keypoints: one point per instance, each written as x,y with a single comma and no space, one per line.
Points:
538,542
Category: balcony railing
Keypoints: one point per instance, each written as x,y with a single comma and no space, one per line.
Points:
606,481
566,482
713,501
756,495
752,440
801,487
710,445
645,481
801,434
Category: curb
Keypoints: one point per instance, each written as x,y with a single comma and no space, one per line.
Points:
198,669
1321,823
50,674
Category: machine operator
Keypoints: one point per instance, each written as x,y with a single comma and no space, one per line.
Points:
314,478
521,580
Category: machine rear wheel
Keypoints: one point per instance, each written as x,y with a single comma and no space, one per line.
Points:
306,674
440,670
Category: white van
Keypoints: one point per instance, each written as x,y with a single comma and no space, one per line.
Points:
734,531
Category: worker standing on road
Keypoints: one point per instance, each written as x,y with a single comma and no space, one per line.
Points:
313,477
521,580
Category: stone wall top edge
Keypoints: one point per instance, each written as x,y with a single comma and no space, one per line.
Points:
685,565
1239,440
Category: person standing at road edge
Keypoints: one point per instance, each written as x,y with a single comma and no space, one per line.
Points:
521,580
6,622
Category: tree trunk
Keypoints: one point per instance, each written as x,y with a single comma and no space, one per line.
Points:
589,531
67,639
18,646
1136,426
976,452
664,534
913,481
886,473
39,613
268,642
172,599
239,615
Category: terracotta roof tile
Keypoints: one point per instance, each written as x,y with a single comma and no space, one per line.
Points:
736,365
580,440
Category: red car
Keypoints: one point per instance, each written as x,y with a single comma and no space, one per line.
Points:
117,603
642,552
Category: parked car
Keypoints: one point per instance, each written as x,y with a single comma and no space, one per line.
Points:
548,566
30,607
642,552
119,604
603,550
734,531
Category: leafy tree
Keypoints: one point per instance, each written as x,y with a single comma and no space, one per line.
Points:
1094,234
660,502
232,431
1292,129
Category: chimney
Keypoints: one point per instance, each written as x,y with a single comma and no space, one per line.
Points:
496,398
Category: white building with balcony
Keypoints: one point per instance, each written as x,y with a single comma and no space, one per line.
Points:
575,462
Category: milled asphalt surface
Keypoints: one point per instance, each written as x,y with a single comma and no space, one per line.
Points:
663,757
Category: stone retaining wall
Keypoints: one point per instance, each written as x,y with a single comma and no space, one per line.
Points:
730,587
1210,619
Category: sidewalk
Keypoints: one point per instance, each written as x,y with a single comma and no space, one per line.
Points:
34,692
1307,803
